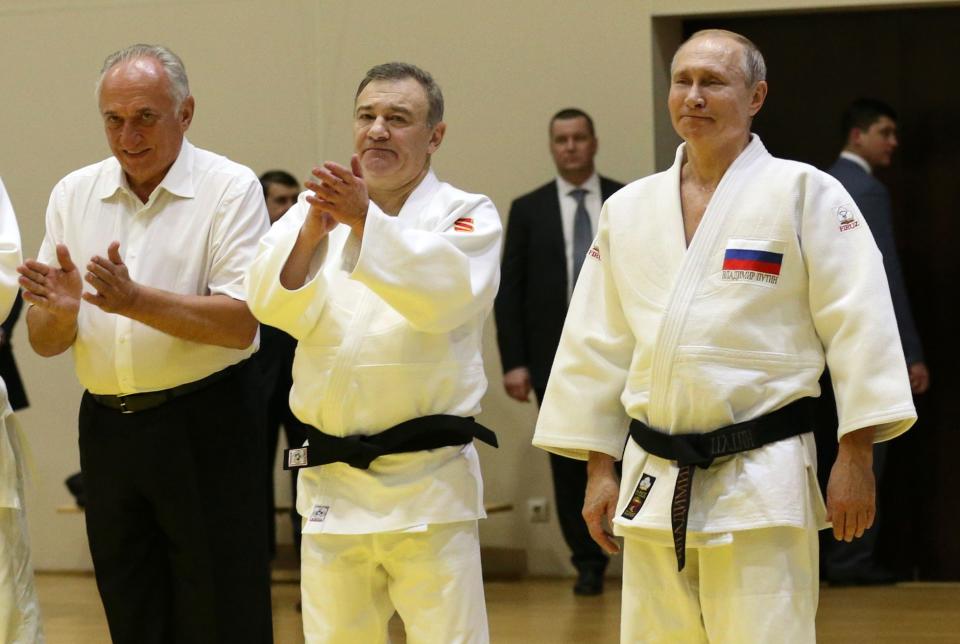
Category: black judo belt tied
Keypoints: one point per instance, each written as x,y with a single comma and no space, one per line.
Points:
691,451
414,435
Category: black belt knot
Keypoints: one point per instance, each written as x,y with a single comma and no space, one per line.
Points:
690,451
360,450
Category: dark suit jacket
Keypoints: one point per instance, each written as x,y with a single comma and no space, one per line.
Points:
873,200
532,302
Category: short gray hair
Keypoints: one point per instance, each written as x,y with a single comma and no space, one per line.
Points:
754,67
171,63
399,71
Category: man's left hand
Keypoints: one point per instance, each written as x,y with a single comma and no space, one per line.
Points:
342,192
851,491
116,292
919,377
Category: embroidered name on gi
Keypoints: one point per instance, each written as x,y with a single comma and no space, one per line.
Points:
751,265
639,496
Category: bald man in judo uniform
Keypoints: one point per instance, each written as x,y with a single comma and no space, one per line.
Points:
712,297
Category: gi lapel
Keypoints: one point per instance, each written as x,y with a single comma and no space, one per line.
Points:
692,270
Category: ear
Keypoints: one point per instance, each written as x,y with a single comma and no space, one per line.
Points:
758,97
436,137
185,115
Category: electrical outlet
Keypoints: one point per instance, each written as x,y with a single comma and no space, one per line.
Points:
538,510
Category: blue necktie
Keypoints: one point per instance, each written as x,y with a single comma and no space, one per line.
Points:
582,231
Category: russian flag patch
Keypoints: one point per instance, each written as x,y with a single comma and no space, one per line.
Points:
463,225
750,260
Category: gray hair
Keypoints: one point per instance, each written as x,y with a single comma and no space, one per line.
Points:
399,71
171,63
754,67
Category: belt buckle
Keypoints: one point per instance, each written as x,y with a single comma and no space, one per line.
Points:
123,405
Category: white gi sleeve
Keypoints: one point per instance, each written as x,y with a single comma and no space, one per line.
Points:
10,256
237,229
436,279
294,311
853,312
582,411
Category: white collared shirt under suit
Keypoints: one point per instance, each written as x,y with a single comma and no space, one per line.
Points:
687,340
389,330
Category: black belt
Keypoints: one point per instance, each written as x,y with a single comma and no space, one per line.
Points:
699,450
417,434
132,403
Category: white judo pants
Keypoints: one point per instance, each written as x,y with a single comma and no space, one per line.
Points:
762,587
351,585
19,607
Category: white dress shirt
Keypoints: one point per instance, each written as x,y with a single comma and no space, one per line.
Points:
195,235
856,158
388,331
568,210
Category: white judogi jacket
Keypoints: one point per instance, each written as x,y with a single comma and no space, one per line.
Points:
388,331
10,258
781,274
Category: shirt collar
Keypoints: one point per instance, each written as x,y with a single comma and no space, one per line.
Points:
591,185
178,180
856,158
420,196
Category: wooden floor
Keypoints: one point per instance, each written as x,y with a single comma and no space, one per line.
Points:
544,610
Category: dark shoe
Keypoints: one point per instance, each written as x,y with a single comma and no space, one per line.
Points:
873,575
589,582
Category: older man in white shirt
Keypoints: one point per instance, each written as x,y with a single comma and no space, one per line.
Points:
170,437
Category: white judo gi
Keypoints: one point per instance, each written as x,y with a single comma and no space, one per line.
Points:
781,275
388,331
19,608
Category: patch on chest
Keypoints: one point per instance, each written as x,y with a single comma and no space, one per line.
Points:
847,216
639,496
753,260
594,252
463,225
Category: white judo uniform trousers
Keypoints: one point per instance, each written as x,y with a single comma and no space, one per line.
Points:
389,330
19,608
781,276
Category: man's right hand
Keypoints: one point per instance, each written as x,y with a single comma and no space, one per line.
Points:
54,290
600,500
517,383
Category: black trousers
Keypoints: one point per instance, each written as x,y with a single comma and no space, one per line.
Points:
275,359
569,486
175,519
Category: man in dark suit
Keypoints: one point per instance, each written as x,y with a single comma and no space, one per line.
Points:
275,357
549,231
870,132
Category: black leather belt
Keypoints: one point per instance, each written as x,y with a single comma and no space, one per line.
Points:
690,451
132,403
415,435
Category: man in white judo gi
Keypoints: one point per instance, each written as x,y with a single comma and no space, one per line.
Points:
713,295
385,275
19,608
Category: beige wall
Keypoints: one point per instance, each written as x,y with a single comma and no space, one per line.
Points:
274,82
